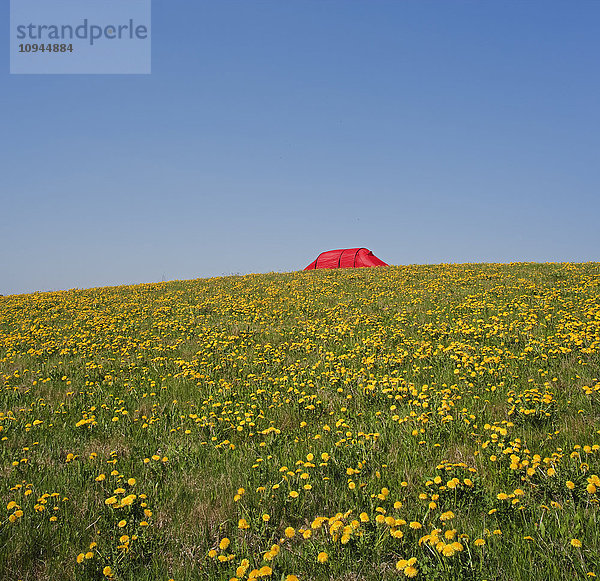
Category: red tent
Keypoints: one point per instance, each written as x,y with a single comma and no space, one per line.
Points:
346,258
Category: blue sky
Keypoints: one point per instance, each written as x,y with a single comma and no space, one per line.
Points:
269,131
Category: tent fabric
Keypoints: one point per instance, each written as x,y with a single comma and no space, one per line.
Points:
346,258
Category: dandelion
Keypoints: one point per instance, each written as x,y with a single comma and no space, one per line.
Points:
322,557
411,570
290,532
576,543
479,542
401,564
224,543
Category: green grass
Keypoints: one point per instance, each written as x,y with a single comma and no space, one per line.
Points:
389,378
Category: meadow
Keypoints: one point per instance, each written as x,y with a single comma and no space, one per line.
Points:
428,422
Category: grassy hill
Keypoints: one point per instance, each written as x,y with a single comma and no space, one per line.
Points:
432,421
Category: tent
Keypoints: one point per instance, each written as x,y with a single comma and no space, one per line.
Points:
346,258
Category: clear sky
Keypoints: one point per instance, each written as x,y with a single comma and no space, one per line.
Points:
270,130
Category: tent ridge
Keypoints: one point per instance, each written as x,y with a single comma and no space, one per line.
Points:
346,258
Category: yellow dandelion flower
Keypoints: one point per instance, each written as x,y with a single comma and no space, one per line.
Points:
290,532
575,543
401,564
322,557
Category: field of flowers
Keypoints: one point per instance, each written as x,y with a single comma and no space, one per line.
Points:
435,422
